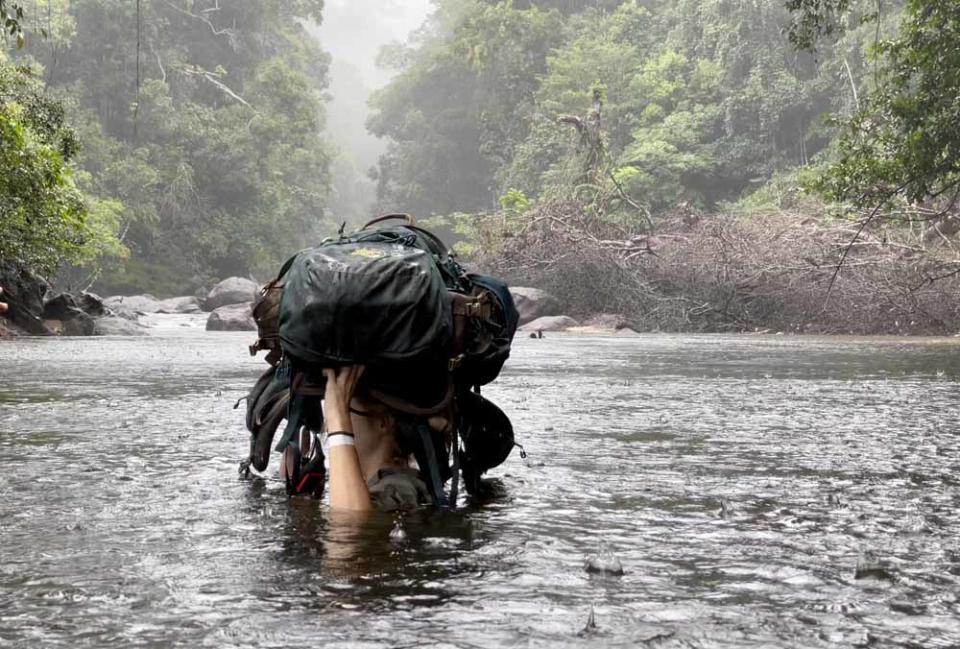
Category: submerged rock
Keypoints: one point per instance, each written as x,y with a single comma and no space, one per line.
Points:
550,323
532,303
230,291
233,317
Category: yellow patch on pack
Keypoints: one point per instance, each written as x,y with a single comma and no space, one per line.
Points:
369,253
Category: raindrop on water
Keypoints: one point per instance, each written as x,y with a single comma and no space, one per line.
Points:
398,533
605,562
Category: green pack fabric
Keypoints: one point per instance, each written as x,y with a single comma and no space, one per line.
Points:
365,302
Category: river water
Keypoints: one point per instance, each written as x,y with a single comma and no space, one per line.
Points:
758,491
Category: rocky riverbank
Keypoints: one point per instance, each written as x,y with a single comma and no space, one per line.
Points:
541,312
35,308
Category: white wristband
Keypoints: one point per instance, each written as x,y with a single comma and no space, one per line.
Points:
340,439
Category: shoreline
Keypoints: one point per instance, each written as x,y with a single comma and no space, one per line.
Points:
165,324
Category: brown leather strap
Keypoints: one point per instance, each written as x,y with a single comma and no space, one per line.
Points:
389,217
409,409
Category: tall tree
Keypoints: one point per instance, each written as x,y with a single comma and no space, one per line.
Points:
204,118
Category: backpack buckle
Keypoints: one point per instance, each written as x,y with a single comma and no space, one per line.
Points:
455,362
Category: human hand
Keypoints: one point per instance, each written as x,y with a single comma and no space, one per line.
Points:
341,383
3,305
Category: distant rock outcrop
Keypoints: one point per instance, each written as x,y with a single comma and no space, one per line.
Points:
232,317
132,305
230,291
550,323
532,303
117,326
186,304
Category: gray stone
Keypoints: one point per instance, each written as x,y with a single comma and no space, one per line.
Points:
61,306
118,326
606,321
550,323
233,317
92,304
186,304
126,305
77,323
532,303
62,314
23,293
232,290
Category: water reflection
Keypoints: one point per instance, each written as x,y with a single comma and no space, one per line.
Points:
757,491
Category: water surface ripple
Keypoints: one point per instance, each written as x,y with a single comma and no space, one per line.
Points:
759,491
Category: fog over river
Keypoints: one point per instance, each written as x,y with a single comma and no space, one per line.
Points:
758,491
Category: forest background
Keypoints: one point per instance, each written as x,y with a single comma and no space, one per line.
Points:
687,165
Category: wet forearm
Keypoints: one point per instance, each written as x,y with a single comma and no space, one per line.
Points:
348,489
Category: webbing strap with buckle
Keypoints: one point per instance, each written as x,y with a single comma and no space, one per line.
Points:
429,457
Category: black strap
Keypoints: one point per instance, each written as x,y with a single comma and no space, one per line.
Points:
294,412
455,478
429,466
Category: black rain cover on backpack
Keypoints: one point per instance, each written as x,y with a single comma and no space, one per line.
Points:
395,299
349,303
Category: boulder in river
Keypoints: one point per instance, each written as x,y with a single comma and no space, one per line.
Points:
132,305
77,324
230,291
92,304
233,317
61,306
186,304
532,303
550,323
117,326
23,292
63,315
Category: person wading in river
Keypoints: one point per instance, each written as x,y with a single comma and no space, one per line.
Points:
392,305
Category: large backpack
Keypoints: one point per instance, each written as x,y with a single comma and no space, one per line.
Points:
428,332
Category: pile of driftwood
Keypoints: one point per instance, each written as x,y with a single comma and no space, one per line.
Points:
776,271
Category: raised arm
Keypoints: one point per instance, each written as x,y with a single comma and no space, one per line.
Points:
348,489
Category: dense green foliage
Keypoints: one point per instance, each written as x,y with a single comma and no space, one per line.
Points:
904,142
195,150
45,219
700,101
202,118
